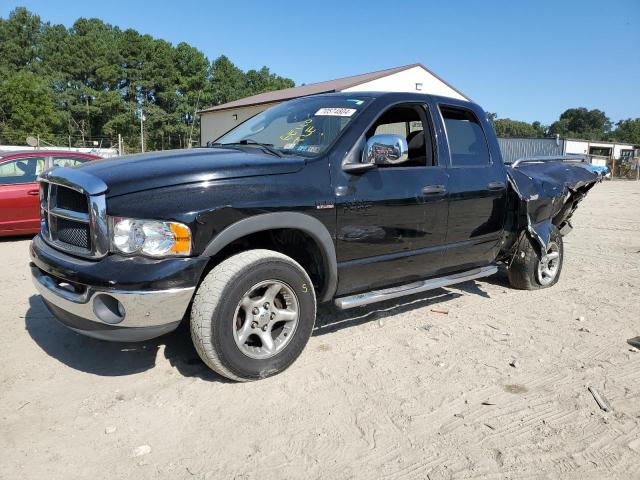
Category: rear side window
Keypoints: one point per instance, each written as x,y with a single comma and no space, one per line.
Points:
467,142
68,161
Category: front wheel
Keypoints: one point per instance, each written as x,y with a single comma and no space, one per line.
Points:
253,315
531,271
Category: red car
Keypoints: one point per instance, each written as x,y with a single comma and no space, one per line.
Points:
19,210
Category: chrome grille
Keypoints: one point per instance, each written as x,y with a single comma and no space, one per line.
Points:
65,218
68,199
72,218
73,233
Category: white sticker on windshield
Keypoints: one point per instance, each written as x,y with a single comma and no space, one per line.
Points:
336,112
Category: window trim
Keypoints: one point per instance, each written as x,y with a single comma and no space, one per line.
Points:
446,134
424,105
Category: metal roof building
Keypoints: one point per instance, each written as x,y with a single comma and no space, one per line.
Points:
219,119
514,148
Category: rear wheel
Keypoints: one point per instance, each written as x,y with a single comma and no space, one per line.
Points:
531,271
253,315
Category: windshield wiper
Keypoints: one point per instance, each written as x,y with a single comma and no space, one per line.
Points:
247,141
222,145
265,146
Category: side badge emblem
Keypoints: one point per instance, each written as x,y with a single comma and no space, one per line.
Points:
324,205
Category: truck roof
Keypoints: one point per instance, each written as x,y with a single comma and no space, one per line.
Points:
409,96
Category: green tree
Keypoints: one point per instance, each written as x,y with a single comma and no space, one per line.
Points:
260,81
192,79
227,81
19,40
26,108
505,127
93,80
582,123
627,131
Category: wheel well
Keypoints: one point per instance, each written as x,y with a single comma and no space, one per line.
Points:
291,242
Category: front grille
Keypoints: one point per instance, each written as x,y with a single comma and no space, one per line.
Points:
73,212
65,219
73,233
71,200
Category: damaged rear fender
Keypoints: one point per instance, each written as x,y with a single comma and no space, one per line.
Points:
548,193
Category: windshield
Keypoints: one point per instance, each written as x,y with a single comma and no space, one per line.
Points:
306,126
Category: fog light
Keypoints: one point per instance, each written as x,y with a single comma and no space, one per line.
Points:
108,309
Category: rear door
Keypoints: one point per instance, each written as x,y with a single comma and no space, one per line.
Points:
477,191
19,209
392,219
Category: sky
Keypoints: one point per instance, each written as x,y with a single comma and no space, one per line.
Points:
523,59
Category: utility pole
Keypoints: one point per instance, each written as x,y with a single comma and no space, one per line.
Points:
141,130
193,120
119,144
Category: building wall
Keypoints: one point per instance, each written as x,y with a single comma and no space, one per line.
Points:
215,124
617,147
583,146
576,146
515,148
405,81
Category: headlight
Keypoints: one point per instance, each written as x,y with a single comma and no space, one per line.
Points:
149,237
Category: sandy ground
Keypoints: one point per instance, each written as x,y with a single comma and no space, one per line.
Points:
392,391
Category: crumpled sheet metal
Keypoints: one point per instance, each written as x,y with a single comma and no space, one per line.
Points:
550,192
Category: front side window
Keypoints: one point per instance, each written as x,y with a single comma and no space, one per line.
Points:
409,121
467,143
306,126
19,171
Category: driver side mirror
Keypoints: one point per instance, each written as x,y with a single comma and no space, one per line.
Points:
384,149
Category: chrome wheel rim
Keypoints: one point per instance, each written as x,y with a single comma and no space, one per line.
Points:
266,319
549,264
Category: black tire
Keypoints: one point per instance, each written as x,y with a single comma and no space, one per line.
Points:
217,300
523,271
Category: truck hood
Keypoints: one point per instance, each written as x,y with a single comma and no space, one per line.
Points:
549,193
134,173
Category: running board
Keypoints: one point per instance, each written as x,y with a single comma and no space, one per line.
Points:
374,296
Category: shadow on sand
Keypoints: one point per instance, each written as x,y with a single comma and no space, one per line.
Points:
115,359
112,358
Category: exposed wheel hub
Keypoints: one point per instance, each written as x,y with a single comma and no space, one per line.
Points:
549,264
265,319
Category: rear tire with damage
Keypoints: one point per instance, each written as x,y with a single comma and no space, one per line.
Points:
531,271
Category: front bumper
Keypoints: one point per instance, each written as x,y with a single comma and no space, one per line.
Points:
111,309
137,315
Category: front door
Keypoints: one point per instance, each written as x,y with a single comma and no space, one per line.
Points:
391,220
19,209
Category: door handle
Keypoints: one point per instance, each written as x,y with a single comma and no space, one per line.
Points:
33,193
434,189
495,186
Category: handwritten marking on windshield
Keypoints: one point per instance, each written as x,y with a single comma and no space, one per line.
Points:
299,133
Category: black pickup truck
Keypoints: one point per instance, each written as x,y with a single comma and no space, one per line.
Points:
352,198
